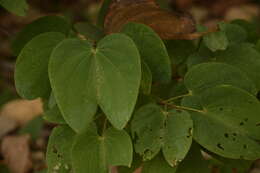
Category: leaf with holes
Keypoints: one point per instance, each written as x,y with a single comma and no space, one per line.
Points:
94,153
152,50
31,72
244,57
207,75
39,26
83,77
156,130
18,7
59,148
227,123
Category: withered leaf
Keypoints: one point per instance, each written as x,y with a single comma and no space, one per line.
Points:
167,24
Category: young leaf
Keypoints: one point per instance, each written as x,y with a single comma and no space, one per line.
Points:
207,75
59,150
146,81
194,162
156,130
152,50
18,7
94,153
83,76
227,123
216,41
90,31
31,72
244,57
39,26
157,165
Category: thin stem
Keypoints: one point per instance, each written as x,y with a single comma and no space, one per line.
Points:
185,108
177,97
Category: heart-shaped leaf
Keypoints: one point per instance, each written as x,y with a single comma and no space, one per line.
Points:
83,77
152,50
94,153
156,130
227,123
31,72
207,75
59,150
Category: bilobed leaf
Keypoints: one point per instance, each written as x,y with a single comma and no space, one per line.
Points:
152,50
155,130
244,57
216,41
146,81
207,75
227,123
18,7
39,26
149,13
157,165
59,150
194,162
31,72
234,32
94,153
83,77
89,31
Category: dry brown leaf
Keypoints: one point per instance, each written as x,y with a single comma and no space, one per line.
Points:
168,25
22,111
16,153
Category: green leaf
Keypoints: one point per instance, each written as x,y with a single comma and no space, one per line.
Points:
216,41
53,113
152,50
18,7
234,32
39,26
94,153
244,57
31,72
179,50
157,165
156,130
227,123
258,46
103,12
207,75
34,128
146,81
194,162
83,77
251,29
59,150
89,31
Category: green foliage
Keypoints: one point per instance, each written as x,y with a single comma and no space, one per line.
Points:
133,100
18,7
